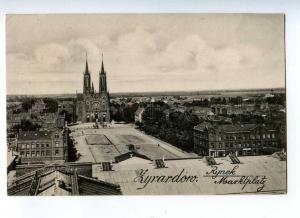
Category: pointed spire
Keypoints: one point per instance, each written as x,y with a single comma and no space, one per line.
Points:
86,63
102,66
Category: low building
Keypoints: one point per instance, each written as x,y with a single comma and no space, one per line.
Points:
138,115
246,139
41,146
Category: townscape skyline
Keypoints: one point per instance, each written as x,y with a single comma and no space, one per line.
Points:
47,54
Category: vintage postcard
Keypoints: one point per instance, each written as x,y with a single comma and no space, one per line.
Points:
145,104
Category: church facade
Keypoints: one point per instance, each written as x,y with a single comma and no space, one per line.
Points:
92,106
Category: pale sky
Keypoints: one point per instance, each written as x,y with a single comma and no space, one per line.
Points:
145,52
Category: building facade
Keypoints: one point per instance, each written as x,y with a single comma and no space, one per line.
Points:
92,106
241,140
42,146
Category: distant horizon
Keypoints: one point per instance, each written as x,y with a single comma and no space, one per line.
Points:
158,92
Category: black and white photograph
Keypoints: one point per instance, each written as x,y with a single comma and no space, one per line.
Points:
146,104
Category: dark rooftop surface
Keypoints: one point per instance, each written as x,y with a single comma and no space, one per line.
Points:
32,135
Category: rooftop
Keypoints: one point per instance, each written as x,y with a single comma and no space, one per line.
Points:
229,127
33,135
58,181
128,173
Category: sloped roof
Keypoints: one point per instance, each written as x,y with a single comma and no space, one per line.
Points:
237,128
229,127
130,154
139,110
202,126
91,186
57,181
34,135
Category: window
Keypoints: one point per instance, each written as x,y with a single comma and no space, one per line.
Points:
56,144
32,145
42,145
33,154
273,136
56,136
37,153
220,139
268,135
220,145
263,136
22,153
47,145
28,146
47,153
42,153
231,145
56,152
23,146
226,145
37,145
27,153
257,136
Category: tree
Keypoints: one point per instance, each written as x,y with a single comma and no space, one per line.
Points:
51,105
26,125
27,103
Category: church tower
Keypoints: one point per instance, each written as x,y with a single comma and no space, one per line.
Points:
92,106
86,79
102,80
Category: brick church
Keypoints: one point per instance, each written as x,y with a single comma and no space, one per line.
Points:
92,106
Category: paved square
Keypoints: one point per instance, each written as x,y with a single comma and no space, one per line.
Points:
99,145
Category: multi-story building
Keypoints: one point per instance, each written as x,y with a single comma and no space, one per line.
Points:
42,146
92,106
246,139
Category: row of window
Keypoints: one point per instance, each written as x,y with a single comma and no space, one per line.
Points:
242,144
38,153
36,145
245,137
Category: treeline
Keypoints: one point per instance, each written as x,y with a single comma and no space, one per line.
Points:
123,112
51,104
26,125
175,128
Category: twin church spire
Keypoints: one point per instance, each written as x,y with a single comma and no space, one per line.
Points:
88,86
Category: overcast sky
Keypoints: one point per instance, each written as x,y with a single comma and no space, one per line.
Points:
162,52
